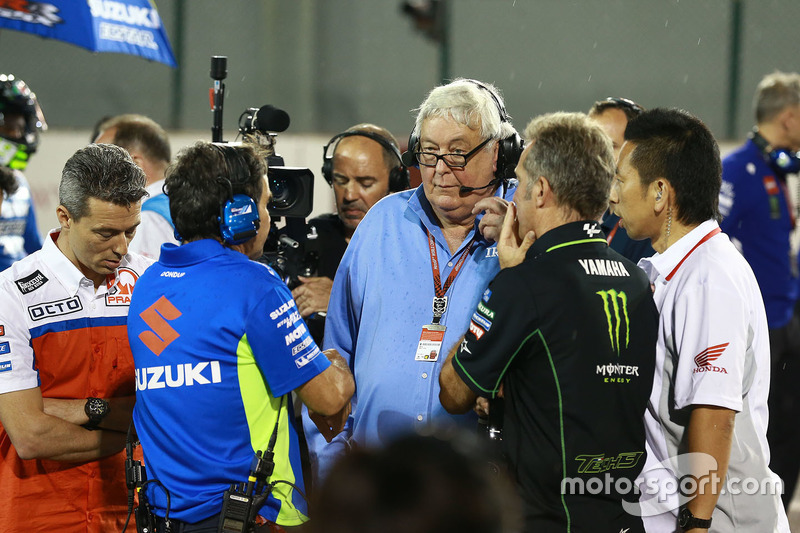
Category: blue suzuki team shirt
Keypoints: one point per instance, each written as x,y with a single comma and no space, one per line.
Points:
757,216
218,344
382,297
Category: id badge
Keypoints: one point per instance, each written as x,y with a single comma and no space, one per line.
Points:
430,343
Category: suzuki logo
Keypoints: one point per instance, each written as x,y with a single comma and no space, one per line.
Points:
156,317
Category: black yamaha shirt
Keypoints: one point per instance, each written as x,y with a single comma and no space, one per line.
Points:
571,335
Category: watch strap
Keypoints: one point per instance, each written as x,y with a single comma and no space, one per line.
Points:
688,521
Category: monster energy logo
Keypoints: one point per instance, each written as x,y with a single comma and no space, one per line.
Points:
612,301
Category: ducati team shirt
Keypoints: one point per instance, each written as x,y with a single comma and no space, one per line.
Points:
59,334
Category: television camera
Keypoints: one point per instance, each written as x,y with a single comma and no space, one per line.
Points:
288,250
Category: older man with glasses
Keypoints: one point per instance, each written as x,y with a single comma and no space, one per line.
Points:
416,267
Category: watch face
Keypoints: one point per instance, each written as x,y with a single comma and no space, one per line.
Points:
96,408
683,517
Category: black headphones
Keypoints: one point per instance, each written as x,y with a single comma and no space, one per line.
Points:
398,176
238,215
779,159
510,148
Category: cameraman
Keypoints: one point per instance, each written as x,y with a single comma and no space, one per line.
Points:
363,165
218,347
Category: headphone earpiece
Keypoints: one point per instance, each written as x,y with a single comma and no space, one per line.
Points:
779,159
509,151
238,219
398,177
238,216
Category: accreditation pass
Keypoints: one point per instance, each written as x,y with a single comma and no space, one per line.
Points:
430,343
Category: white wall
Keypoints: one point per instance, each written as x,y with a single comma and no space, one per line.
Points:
56,146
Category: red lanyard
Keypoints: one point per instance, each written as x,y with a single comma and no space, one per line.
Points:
612,232
437,279
704,239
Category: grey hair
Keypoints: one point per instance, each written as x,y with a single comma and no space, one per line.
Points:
776,92
576,157
465,102
102,171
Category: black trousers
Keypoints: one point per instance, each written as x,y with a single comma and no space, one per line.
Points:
209,525
784,405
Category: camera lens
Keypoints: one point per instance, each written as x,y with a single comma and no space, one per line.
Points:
283,193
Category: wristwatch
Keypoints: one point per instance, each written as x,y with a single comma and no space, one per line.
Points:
96,409
687,521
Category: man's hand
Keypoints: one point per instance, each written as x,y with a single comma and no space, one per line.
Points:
313,295
510,250
332,425
494,209
482,404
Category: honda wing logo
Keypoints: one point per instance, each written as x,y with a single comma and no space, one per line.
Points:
705,359
615,305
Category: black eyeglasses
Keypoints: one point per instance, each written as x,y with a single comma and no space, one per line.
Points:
626,103
429,159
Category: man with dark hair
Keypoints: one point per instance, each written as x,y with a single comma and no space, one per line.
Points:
707,416
219,346
759,216
21,120
613,115
148,144
567,330
66,371
363,165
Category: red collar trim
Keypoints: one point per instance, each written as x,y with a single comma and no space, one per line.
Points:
704,239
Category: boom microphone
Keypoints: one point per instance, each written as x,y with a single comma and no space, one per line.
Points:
466,190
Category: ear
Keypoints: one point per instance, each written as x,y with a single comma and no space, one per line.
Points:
496,155
542,192
64,218
661,193
138,159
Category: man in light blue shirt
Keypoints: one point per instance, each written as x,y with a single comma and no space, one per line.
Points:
416,268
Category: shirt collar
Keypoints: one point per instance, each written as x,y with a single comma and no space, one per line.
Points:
64,270
419,204
661,265
154,189
191,253
580,232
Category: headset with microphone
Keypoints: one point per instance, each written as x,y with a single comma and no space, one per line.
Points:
780,160
238,217
398,176
508,154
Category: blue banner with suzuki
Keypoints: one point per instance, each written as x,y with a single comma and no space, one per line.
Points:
122,26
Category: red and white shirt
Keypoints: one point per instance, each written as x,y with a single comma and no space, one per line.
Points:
713,349
59,334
